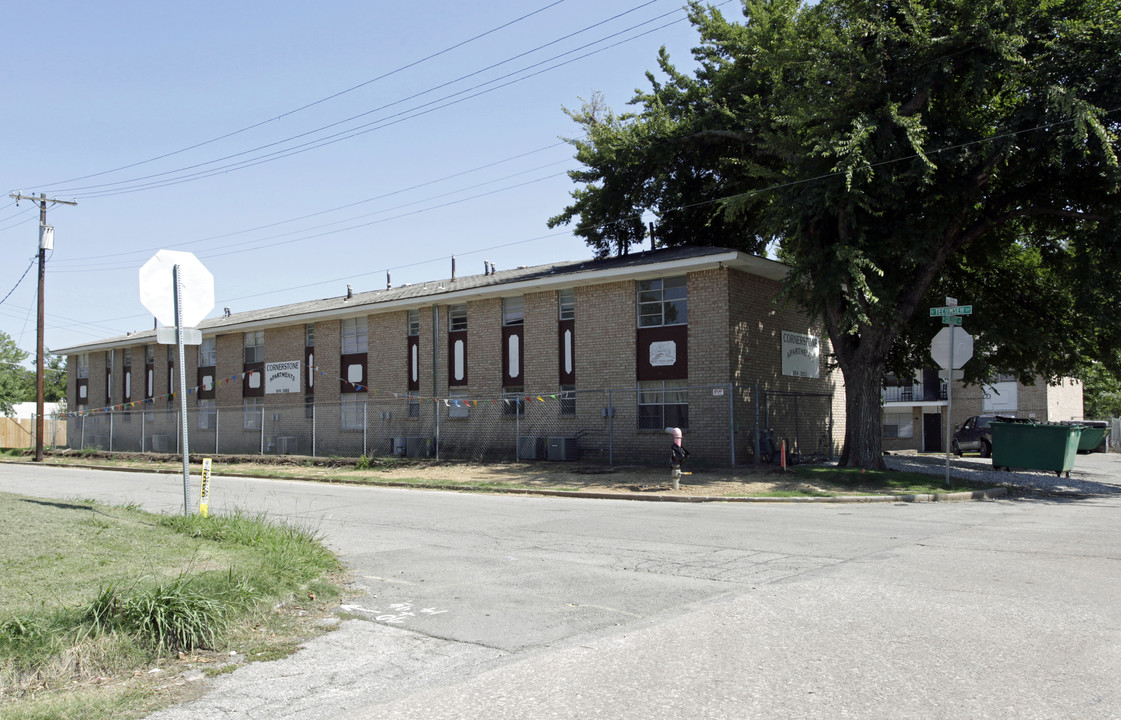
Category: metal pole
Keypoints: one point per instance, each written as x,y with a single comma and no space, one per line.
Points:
184,448
313,407
82,442
261,424
111,413
732,421
518,430
755,402
949,403
610,430
217,412
365,422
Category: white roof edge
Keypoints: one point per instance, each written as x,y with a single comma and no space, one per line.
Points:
752,264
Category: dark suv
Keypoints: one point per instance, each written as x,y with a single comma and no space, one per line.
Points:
974,435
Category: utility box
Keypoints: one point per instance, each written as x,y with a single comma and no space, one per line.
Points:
287,445
163,443
416,447
563,448
531,448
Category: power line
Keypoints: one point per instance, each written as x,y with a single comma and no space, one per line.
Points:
21,277
345,206
137,184
308,105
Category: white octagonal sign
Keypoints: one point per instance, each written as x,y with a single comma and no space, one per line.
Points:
940,347
157,287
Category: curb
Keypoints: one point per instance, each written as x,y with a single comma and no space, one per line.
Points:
990,494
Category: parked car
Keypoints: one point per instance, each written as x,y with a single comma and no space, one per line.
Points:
974,435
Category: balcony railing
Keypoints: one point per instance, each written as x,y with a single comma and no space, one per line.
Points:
912,393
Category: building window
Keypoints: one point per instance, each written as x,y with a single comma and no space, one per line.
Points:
83,370
457,318
208,352
254,347
567,399
898,425
566,302
309,335
207,415
457,405
414,406
413,323
513,401
513,310
353,411
662,302
253,409
663,404
149,354
355,336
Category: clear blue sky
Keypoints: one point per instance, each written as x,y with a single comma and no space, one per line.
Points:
441,164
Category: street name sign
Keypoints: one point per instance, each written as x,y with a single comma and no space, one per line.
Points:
954,310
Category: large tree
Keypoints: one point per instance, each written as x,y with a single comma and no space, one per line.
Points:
12,374
894,152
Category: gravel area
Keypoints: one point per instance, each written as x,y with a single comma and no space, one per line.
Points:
1093,474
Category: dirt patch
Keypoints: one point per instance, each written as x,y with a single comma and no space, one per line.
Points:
717,482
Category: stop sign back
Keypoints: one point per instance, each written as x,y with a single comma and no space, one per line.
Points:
940,347
157,287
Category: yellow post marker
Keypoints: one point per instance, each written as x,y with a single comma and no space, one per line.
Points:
204,495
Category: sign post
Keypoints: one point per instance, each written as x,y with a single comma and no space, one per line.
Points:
942,350
191,297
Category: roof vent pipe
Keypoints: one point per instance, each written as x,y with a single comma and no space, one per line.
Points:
493,269
388,284
453,267
653,240
349,292
226,311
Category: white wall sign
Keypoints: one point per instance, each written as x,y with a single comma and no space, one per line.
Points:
999,397
663,353
801,355
282,377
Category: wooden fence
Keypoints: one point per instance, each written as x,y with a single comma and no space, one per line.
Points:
21,433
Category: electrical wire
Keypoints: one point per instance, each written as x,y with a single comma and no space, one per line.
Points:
137,184
21,277
84,259
311,104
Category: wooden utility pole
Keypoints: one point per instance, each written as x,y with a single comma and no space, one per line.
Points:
46,240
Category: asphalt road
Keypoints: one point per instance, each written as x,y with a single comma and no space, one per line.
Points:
519,607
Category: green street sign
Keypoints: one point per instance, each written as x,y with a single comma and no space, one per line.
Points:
957,310
951,319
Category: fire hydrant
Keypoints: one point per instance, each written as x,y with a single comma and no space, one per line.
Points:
677,456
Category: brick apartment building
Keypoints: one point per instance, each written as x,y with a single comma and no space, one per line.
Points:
915,413
598,356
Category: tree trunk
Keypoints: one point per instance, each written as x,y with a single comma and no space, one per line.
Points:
863,415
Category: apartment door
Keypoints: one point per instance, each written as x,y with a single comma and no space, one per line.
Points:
932,432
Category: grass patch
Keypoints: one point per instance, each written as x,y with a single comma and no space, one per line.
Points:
92,596
834,480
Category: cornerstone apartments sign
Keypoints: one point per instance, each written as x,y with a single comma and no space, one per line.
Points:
800,355
282,377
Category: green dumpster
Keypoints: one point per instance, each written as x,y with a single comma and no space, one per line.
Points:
1035,446
1092,437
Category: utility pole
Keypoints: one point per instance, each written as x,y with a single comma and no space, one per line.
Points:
46,241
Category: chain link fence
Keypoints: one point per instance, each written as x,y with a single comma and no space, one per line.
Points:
723,426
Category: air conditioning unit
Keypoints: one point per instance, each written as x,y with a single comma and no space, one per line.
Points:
563,448
399,446
531,448
163,443
97,441
287,445
419,446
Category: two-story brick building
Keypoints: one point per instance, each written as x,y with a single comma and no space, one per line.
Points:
589,358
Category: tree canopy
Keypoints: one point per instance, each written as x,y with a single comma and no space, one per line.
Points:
12,374
894,152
